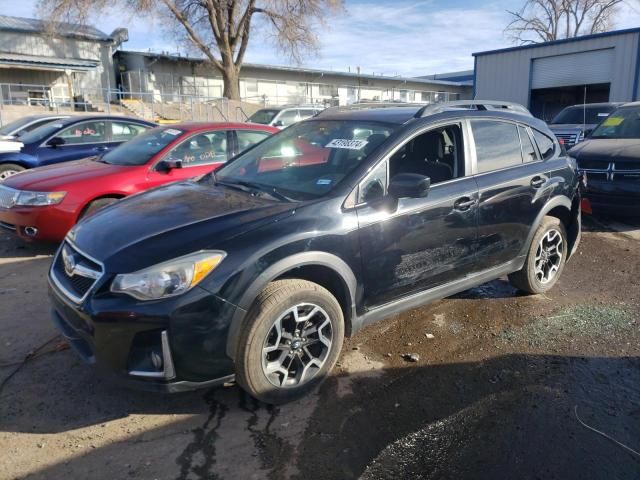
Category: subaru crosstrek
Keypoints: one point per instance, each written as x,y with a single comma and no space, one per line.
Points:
260,269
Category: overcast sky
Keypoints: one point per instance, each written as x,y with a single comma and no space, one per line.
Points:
396,37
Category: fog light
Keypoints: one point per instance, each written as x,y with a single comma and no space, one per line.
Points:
30,231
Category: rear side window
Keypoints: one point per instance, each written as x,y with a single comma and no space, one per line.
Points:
247,138
121,132
528,149
497,145
546,145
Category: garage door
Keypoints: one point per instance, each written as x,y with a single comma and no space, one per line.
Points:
582,68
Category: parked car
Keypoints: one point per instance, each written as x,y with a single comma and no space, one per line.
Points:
573,124
260,273
44,203
17,128
610,159
68,139
282,117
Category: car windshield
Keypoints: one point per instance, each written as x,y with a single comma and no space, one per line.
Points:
580,115
623,123
263,116
11,127
40,133
141,148
307,160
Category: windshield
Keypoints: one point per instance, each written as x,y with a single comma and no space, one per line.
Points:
580,115
141,148
41,133
623,123
16,125
263,116
307,160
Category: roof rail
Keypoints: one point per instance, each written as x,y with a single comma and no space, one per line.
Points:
484,105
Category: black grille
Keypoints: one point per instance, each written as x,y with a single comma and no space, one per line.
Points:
80,281
593,164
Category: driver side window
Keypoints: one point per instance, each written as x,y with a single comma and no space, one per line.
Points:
201,149
437,154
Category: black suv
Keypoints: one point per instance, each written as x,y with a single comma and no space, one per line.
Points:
260,269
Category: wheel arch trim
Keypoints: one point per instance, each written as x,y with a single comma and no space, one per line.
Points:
312,258
558,201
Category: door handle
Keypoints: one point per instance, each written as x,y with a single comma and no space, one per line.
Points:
538,181
463,204
101,149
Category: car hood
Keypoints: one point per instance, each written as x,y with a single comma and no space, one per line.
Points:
624,149
7,145
171,221
53,177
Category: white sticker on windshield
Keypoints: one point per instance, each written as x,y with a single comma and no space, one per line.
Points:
348,144
173,131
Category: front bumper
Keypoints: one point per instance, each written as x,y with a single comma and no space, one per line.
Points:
614,202
168,345
51,222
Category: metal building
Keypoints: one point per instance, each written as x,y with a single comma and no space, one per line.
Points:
166,76
548,76
53,67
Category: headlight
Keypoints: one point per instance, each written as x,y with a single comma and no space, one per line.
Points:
169,278
36,199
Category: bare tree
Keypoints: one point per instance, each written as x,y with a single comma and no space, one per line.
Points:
546,20
219,29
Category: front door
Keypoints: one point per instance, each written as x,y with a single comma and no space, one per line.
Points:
414,244
81,140
199,154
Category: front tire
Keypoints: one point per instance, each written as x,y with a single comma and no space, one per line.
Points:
545,260
96,205
9,169
290,341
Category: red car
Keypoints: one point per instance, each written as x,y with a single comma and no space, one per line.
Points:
44,203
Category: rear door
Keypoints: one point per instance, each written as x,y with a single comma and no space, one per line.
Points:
81,140
513,184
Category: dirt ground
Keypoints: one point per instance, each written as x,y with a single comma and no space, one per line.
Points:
506,386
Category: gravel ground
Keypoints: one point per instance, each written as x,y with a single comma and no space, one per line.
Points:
486,384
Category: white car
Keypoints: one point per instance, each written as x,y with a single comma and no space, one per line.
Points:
282,117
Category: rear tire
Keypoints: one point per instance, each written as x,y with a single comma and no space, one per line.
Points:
545,260
290,341
9,169
96,205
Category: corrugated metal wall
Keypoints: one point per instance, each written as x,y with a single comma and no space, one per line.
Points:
507,75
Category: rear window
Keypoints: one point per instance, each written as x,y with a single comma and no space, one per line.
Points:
263,117
580,115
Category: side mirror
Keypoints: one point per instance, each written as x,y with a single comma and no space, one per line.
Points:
278,124
409,185
56,142
166,165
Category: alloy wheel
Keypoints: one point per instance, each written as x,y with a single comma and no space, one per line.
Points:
297,345
548,256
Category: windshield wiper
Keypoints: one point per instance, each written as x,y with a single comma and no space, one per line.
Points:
269,190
